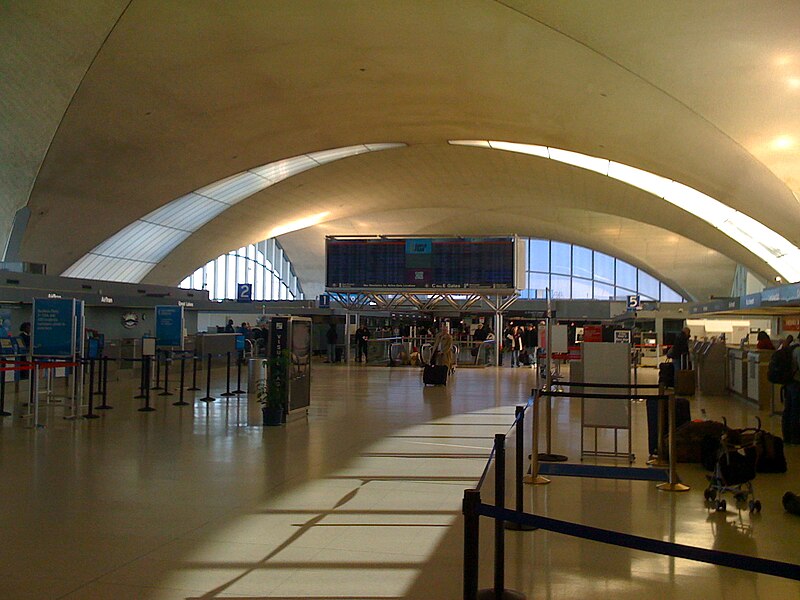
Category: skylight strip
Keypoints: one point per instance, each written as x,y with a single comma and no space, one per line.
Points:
158,233
770,246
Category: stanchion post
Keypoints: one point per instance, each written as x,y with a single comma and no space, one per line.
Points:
519,412
469,508
167,360
157,386
142,380
180,401
194,387
673,485
146,368
208,397
499,592
239,361
534,477
228,393
3,411
34,396
658,460
104,384
90,413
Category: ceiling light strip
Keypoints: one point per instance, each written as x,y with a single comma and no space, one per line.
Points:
768,245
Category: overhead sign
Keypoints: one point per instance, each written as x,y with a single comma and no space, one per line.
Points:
324,301
634,302
480,263
169,326
244,292
53,327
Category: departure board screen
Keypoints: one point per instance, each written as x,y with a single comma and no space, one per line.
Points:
417,263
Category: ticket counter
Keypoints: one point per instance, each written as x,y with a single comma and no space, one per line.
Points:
759,389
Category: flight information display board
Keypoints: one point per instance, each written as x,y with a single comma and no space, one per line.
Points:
421,263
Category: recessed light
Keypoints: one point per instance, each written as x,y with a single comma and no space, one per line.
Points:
782,142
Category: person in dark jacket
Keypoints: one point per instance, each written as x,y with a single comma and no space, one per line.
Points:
332,337
680,350
362,337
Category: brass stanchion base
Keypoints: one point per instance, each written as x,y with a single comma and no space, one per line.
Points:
490,594
673,487
538,480
550,457
514,526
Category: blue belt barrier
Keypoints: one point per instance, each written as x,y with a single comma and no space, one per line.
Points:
635,542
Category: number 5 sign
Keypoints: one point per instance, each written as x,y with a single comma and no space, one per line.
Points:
244,292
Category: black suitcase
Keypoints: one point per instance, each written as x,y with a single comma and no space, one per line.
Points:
434,375
682,415
666,374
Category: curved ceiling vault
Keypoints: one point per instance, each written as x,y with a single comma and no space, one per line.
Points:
169,98
480,193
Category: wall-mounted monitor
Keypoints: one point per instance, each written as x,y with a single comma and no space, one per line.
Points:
438,264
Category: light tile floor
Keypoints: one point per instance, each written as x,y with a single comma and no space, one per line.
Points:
361,500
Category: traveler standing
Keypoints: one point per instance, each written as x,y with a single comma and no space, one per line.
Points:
362,337
680,350
790,421
516,345
332,337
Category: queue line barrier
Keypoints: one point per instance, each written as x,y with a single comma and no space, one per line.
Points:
473,508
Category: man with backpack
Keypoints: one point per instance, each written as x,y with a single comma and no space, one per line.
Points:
784,369
791,409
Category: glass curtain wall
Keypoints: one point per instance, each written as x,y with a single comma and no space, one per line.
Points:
264,265
578,273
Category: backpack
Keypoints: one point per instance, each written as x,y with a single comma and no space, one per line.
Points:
781,367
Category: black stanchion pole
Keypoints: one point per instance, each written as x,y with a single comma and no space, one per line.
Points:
167,360
142,381
146,368
104,384
499,502
228,393
194,387
469,507
499,592
208,397
180,401
519,469
3,411
239,361
157,386
90,414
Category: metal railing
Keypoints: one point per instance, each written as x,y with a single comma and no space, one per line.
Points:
505,518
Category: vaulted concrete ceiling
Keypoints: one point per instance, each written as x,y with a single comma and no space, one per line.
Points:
131,105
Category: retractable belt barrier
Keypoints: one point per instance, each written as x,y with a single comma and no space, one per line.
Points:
473,508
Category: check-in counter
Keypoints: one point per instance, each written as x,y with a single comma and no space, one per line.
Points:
710,364
737,371
759,389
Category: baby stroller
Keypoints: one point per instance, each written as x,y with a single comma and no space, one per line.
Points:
734,468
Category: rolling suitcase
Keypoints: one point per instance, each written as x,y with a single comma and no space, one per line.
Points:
434,375
685,380
666,374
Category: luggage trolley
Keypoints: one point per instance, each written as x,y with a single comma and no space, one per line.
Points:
734,470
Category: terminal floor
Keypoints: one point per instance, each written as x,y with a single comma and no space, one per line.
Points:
361,500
